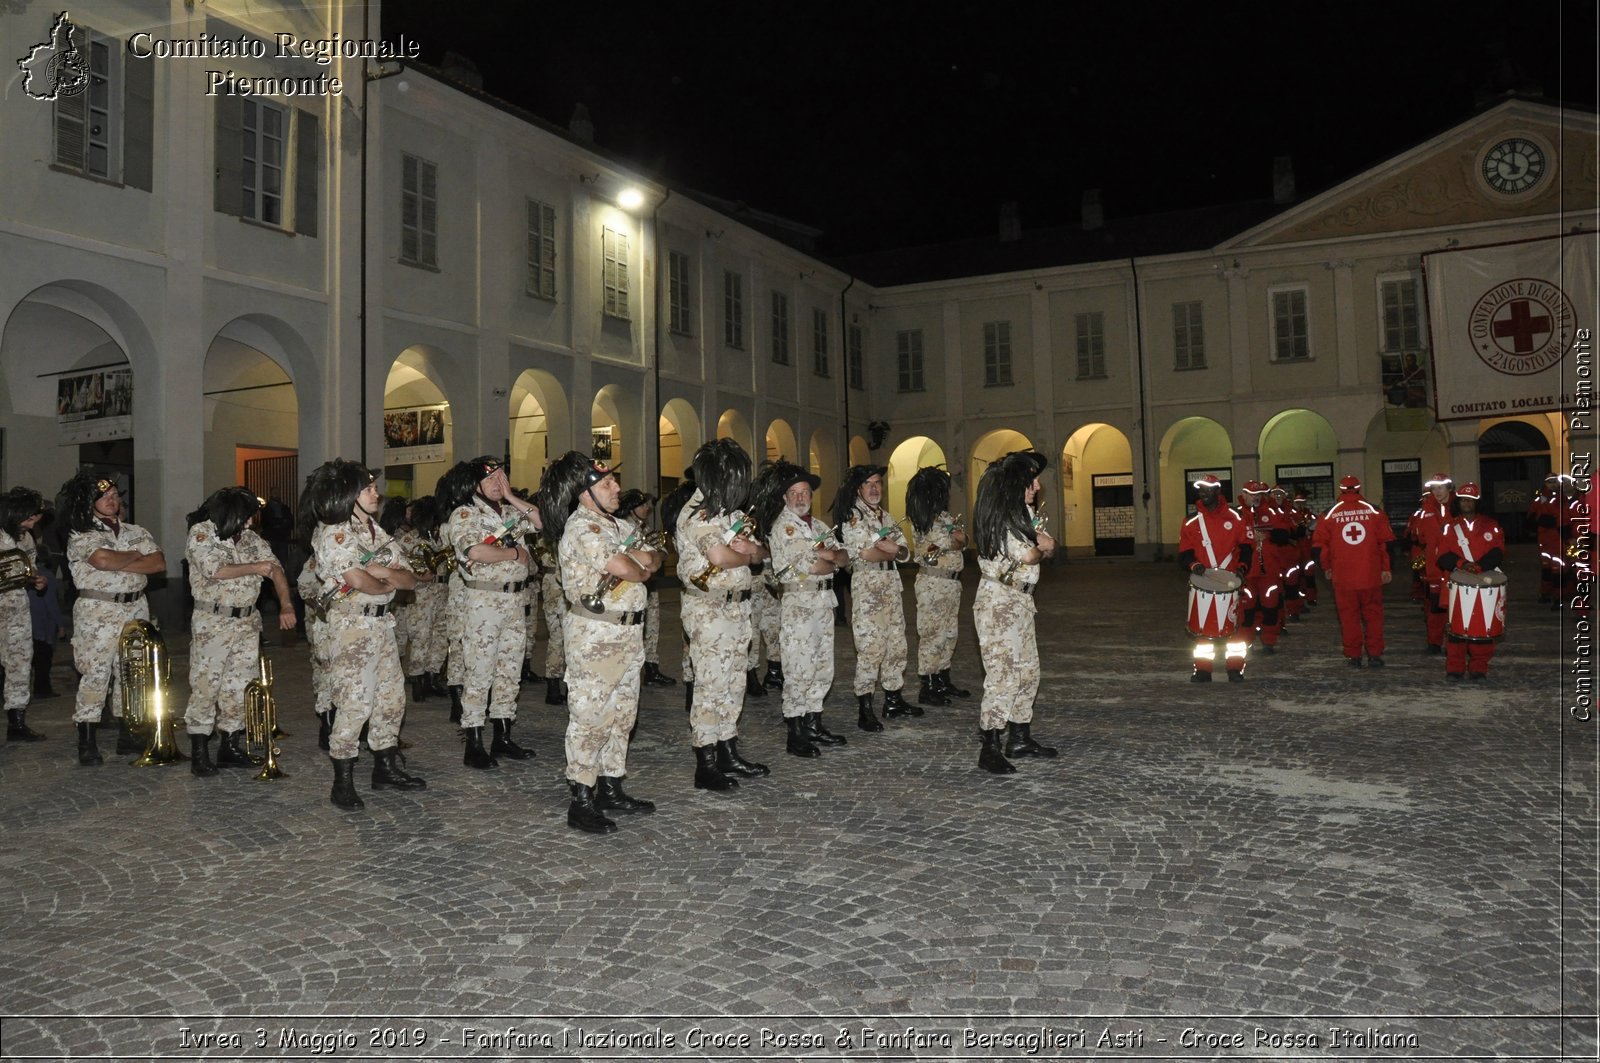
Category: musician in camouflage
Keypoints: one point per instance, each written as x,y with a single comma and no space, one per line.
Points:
308,586
940,559
21,508
640,507
425,647
877,615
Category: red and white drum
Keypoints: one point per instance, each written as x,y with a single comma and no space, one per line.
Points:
1213,603
1477,605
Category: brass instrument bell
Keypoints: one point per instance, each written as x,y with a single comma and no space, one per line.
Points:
144,670
16,570
261,724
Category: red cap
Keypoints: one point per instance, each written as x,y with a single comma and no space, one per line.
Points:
1469,490
1350,483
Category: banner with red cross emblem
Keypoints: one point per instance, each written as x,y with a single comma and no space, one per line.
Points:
1505,321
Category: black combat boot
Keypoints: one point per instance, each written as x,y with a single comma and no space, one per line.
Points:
127,741
864,718
17,729
554,691
991,759
503,745
388,774
752,685
88,752
43,653
1021,743
455,704
608,797
528,674
929,692
706,775
774,679
895,706
324,729
729,762
419,688
200,756
688,697
583,813
950,689
437,685
818,734
230,751
476,756
654,677
344,785
799,743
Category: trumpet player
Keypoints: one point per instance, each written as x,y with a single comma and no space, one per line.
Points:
1011,546
359,571
877,613
227,562
485,529
940,542
638,506
1435,512
308,584
425,650
110,561
805,557
538,563
20,509
605,650
715,552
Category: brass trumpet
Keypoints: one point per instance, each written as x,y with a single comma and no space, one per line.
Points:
775,581
425,558
739,530
382,554
903,551
144,670
16,570
1009,576
261,724
611,586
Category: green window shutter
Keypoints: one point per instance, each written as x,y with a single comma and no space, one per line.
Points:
70,133
138,120
228,148
306,142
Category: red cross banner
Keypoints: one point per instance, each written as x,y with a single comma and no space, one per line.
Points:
1510,325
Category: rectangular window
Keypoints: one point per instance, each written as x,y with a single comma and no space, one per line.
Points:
86,122
614,278
1291,329
780,328
1091,329
1188,336
819,342
541,250
908,351
732,310
266,127
419,211
1402,321
857,369
678,319
996,354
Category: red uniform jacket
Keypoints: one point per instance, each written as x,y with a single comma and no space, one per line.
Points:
1354,539
1227,533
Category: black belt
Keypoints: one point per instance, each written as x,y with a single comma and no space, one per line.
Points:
502,588
373,610
108,596
876,566
718,596
1020,588
621,619
821,583
227,610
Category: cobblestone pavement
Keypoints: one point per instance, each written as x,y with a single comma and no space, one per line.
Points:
1314,850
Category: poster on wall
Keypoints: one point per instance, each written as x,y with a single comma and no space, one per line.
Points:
413,435
1512,326
95,406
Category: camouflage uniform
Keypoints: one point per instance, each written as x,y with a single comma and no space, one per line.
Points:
493,635
604,651
807,614
225,649
363,663
877,615
106,601
425,649
530,597
555,611
16,629
652,626
310,585
1004,617
717,622
765,620
407,541
938,590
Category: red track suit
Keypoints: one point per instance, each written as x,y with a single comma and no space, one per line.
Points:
1283,556
1217,538
1353,543
1431,519
1419,560
1478,542
1543,512
1263,587
1306,524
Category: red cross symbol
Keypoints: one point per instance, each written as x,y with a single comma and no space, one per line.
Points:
1521,325
1353,533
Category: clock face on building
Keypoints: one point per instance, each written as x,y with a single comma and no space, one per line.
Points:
1514,165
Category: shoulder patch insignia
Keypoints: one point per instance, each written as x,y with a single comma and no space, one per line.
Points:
595,528
199,537
1227,525
788,529
338,537
464,511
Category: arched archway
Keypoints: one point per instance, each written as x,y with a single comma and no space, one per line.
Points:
1514,457
989,447
908,457
823,459
607,419
781,442
252,415
1096,480
860,453
1299,450
680,438
1400,461
732,425
1192,447
536,423
417,426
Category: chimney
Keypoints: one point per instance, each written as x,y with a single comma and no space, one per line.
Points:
579,124
459,68
1094,215
1010,222
1282,180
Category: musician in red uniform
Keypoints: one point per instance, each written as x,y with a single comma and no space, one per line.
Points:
1283,550
1352,546
1543,512
1216,537
1262,595
1306,522
1472,542
1418,552
1434,513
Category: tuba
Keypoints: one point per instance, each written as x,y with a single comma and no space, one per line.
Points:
144,670
261,724
16,570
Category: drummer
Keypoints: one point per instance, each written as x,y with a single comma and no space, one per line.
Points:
1471,542
1214,546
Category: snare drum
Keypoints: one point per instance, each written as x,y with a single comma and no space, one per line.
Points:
1213,604
1477,605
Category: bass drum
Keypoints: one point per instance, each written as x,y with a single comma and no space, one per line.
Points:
1213,603
1477,605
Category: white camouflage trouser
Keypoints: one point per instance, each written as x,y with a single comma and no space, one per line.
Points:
938,610
491,643
16,646
718,632
1009,645
878,622
765,620
603,664
807,638
224,656
96,627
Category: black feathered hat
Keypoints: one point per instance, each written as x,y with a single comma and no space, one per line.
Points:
927,495
844,501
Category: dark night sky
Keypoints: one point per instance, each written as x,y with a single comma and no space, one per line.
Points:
888,124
